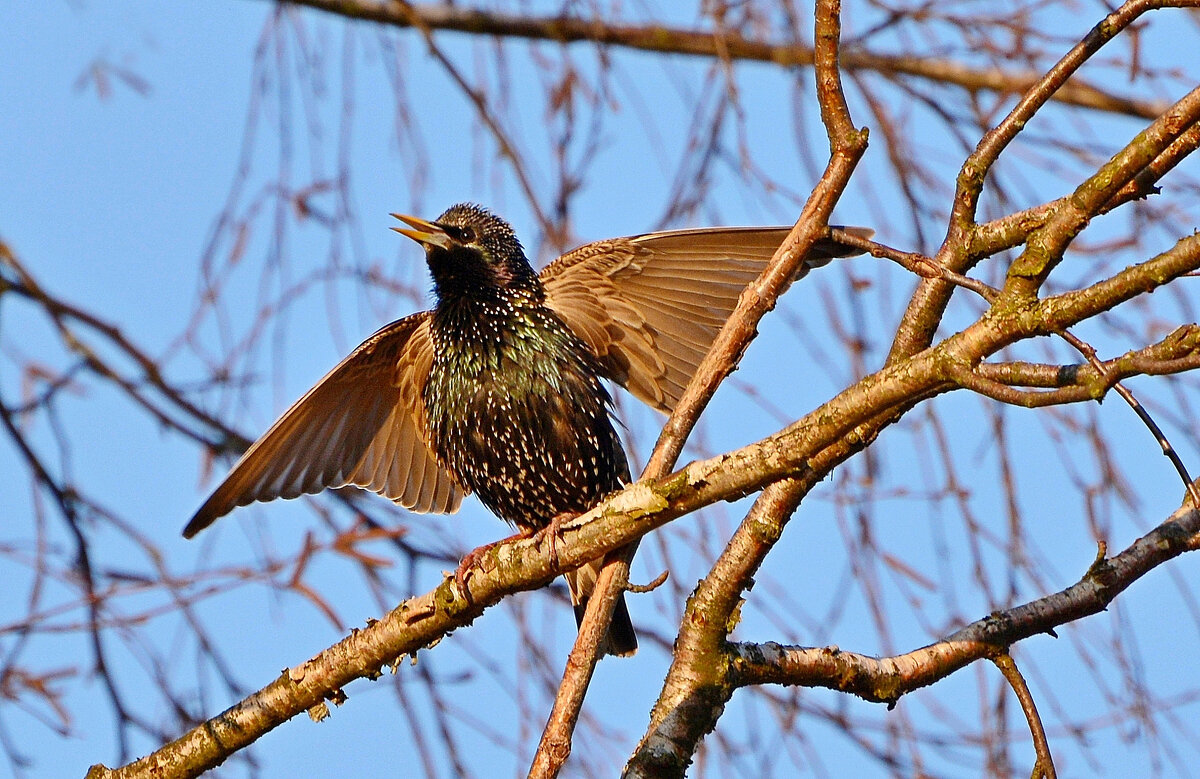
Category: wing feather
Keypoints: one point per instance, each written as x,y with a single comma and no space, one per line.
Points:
650,306
362,424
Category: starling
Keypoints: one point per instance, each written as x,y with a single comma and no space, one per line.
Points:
498,390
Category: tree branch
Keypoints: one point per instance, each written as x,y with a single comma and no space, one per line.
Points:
1044,766
887,679
692,698
808,449
929,300
722,44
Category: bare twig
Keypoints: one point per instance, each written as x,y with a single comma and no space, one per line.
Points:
1044,767
1089,354
723,44
887,679
928,302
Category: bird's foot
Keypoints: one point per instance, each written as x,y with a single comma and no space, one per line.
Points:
471,560
553,533
475,560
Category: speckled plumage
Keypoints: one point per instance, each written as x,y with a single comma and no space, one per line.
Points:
515,404
498,390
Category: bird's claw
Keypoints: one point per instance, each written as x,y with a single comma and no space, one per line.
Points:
553,532
463,572
475,558
466,567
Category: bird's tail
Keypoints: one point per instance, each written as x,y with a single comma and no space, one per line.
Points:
621,640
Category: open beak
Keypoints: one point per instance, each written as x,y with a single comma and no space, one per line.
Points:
425,233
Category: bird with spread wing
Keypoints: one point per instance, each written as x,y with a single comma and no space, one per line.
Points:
498,390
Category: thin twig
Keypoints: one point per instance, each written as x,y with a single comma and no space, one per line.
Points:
719,44
1044,767
1089,354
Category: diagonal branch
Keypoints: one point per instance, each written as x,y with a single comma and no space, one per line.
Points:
847,146
686,709
929,301
803,451
1044,766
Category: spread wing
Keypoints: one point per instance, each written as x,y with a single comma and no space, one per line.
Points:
363,424
649,306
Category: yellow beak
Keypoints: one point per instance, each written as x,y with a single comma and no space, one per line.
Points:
423,232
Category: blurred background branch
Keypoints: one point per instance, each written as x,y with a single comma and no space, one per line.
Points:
194,230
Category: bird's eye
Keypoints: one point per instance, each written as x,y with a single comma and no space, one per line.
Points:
466,235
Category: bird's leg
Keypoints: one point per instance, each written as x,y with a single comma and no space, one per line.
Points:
474,559
553,532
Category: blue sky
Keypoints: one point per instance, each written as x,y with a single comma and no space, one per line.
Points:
112,200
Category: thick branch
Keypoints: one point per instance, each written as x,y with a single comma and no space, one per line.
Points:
1045,246
694,691
804,450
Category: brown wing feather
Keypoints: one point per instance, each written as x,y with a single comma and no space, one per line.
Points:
363,424
649,306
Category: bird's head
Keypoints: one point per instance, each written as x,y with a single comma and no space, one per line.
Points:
471,252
